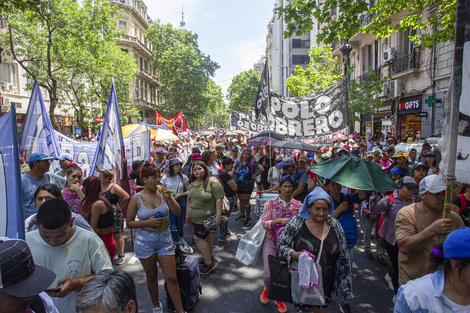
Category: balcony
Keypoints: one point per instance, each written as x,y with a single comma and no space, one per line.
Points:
133,5
364,78
136,42
147,75
335,45
9,88
143,103
409,62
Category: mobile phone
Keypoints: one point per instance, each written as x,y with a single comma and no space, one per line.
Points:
52,290
159,215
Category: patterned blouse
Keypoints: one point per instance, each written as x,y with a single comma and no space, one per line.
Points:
285,244
277,208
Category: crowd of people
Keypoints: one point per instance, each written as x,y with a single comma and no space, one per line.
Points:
74,224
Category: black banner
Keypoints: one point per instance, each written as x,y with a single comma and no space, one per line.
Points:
318,115
246,121
261,104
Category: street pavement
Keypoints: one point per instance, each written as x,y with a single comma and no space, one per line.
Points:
234,288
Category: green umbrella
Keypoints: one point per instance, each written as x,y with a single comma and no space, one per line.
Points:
357,173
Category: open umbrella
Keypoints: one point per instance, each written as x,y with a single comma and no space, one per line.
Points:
230,135
270,134
207,133
258,142
294,144
238,132
355,173
136,128
165,135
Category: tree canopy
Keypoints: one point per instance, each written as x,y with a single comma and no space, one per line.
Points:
242,90
433,21
71,50
184,71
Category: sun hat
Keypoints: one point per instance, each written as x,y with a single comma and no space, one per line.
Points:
457,244
432,183
286,162
196,156
174,161
401,155
39,156
408,182
19,276
65,156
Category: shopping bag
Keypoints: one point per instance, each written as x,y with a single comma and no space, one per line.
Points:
311,296
279,287
250,245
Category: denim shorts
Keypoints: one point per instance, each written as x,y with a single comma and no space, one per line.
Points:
147,243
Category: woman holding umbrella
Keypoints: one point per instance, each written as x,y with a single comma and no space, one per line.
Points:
244,174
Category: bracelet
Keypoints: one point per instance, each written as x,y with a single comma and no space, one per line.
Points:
219,216
73,281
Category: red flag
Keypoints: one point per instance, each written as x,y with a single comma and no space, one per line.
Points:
175,124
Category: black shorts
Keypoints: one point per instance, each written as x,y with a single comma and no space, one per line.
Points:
200,231
118,222
245,187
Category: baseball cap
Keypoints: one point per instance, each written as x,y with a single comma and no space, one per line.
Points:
408,182
65,156
38,156
278,158
378,152
303,158
196,156
430,153
456,245
286,162
432,183
325,156
398,171
426,145
311,155
19,276
160,150
235,149
342,149
401,155
174,161
418,164
355,152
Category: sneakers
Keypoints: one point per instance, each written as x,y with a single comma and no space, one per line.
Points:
224,239
369,255
264,296
158,309
207,269
120,259
247,221
187,249
231,235
281,307
240,218
381,259
200,260
388,279
345,308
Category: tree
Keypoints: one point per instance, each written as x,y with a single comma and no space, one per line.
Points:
71,50
12,5
322,71
432,20
243,90
184,70
217,112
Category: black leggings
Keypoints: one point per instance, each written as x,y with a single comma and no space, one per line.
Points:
392,252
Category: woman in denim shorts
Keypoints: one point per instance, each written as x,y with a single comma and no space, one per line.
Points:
153,240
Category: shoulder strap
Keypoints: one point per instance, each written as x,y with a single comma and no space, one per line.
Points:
321,246
463,203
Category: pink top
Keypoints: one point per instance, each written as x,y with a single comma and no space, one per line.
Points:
73,201
277,208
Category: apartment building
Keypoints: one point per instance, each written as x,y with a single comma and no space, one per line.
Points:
284,54
135,21
420,79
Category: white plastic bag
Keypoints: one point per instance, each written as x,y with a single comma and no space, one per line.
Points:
250,245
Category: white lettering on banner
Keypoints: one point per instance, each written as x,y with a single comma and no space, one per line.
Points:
335,119
281,125
321,124
305,110
294,128
275,104
290,109
309,127
323,104
83,161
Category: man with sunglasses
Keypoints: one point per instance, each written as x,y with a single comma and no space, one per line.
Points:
418,227
39,163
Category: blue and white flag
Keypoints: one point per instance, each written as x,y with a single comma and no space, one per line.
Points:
38,135
110,152
11,201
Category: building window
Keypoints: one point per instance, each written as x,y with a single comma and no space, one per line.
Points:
299,43
122,25
141,63
7,73
300,59
147,115
146,65
125,50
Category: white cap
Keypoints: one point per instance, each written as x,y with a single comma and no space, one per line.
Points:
432,183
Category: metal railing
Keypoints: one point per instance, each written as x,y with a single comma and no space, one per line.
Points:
408,62
366,78
143,103
136,41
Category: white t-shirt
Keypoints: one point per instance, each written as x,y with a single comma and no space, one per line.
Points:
82,256
175,183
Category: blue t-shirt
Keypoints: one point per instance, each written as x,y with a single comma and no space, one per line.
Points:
29,186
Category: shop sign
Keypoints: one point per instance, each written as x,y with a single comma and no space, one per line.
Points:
421,114
410,105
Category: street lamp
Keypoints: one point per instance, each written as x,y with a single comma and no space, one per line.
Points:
345,51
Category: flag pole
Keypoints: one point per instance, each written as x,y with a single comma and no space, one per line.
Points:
462,18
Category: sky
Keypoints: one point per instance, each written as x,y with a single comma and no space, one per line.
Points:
232,32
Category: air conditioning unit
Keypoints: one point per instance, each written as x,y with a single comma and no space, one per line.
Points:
384,92
389,55
395,88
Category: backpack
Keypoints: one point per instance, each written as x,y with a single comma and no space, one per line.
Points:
348,222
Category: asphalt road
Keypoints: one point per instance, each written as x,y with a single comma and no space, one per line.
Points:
233,287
